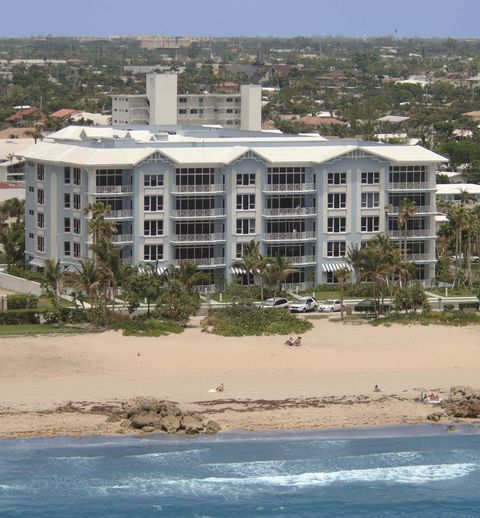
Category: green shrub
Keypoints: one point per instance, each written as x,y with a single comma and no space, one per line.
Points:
66,316
20,316
469,305
148,327
18,271
22,301
254,321
448,307
447,318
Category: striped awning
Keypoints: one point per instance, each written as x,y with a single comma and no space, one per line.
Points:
241,271
143,270
333,267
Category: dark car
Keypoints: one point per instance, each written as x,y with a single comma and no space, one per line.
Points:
371,306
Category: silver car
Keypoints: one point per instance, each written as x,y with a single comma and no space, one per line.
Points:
303,305
279,302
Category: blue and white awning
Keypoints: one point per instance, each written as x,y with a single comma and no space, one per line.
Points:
242,271
333,267
159,271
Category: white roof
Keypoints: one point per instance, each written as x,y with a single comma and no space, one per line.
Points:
13,146
393,118
12,192
457,188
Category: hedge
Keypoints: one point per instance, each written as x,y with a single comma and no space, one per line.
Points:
469,305
22,301
34,316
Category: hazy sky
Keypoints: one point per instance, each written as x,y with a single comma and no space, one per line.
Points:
456,18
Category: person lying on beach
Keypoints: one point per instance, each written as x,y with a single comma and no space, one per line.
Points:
290,341
376,388
298,341
220,388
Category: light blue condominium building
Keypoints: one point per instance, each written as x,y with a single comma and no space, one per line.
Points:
199,194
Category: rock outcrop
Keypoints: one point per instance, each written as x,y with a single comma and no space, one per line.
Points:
149,414
463,402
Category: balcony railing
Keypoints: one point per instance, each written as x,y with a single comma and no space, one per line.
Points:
198,213
301,211
118,214
127,260
122,238
184,189
209,261
410,186
289,187
113,189
411,233
419,209
289,236
302,259
419,257
197,237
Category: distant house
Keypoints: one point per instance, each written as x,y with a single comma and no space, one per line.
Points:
16,133
318,122
18,117
475,115
468,193
64,113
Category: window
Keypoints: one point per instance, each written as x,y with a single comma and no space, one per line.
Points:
371,178
40,243
41,220
182,112
30,235
182,100
337,200
77,176
40,196
370,200
370,224
153,227
193,111
336,224
239,251
77,226
67,225
77,202
31,212
31,189
66,175
40,172
336,249
245,178
66,200
152,252
76,249
153,203
67,248
153,180
337,178
245,226
246,202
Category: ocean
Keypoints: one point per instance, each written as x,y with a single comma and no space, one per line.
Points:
401,471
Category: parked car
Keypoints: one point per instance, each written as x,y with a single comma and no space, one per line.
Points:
303,304
329,306
368,306
278,302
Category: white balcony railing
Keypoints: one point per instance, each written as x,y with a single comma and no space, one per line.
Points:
410,186
198,213
113,189
122,238
302,259
182,189
118,214
419,209
301,211
289,236
419,257
197,237
289,187
209,261
411,233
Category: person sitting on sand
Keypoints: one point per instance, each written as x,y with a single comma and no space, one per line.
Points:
376,388
220,388
298,341
290,341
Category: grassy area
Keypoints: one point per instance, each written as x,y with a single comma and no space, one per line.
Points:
445,318
39,329
149,328
455,292
45,303
254,321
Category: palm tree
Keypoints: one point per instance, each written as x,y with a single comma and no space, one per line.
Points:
457,217
52,278
12,239
35,134
85,278
98,226
277,273
342,276
250,260
14,208
406,211
188,274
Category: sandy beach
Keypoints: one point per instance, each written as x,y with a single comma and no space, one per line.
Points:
53,385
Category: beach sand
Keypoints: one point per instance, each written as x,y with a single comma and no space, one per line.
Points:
70,384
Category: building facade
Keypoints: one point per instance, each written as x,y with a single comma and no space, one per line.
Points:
200,195
162,105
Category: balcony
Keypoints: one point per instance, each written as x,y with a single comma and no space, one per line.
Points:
301,211
289,187
290,236
199,213
209,261
197,238
119,214
197,189
113,189
420,257
302,259
122,238
400,234
419,209
411,186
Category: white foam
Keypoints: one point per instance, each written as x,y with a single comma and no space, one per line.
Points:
167,454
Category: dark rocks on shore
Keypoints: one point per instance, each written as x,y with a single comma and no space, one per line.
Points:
149,415
463,402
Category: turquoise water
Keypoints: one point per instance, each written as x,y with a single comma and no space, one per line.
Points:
387,472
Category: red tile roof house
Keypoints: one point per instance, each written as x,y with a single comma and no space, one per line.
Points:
64,113
21,114
318,122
